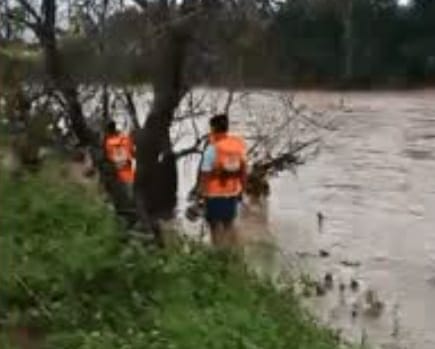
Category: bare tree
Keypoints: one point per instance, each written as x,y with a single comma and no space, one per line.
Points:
43,24
179,46
180,39
156,177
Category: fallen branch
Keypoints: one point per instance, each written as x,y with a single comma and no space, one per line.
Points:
284,160
194,149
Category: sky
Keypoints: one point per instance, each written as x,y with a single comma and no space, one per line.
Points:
404,2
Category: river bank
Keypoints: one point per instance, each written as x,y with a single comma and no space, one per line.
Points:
70,280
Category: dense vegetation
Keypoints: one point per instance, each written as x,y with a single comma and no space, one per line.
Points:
360,41
69,278
316,43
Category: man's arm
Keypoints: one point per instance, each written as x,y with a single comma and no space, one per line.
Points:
244,169
206,169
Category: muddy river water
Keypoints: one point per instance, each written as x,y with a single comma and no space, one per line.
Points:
374,183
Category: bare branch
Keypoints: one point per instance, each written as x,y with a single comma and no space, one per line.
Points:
131,108
194,149
188,116
31,10
285,160
34,26
229,101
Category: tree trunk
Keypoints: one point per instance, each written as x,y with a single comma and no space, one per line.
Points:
57,78
156,175
8,29
132,111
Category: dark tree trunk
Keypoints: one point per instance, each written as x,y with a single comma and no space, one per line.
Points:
132,111
57,78
105,102
156,176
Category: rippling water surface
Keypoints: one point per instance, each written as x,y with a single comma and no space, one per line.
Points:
374,182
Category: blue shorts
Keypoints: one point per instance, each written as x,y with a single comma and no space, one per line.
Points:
221,209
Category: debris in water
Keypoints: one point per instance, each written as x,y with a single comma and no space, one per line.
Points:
354,285
354,311
329,281
352,264
374,306
304,254
320,220
396,321
320,290
342,287
324,253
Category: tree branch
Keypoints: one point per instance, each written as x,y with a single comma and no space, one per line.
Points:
31,10
34,26
131,108
229,101
194,149
284,160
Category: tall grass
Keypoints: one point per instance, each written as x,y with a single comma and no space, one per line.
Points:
66,271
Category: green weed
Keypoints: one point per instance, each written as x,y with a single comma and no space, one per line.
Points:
66,271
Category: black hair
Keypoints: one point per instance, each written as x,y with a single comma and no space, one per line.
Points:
111,127
220,123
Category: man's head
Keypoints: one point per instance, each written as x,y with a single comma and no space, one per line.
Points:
111,127
219,123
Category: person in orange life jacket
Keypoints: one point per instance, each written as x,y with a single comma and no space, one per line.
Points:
119,150
222,179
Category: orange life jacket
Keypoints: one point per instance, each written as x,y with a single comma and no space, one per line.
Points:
226,178
119,150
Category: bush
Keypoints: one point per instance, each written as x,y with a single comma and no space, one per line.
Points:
67,272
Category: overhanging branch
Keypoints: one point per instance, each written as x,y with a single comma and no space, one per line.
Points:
194,149
31,10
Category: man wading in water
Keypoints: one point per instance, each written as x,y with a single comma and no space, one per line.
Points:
222,180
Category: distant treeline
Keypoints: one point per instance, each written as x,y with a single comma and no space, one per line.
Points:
298,43
346,43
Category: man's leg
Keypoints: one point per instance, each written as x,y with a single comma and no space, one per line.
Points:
220,214
216,233
129,188
229,233
127,205
212,215
211,221
230,210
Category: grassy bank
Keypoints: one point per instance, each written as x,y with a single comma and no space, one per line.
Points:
68,281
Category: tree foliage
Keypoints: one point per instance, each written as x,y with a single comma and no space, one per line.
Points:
389,43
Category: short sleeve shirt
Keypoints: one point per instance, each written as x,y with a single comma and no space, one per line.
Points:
208,159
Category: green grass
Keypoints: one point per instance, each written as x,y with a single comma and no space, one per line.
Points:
66,271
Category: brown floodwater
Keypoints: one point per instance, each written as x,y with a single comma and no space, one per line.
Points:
374,183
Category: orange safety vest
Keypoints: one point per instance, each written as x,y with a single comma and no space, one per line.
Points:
119,150
226,178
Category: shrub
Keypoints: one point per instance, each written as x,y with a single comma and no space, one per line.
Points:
66,271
